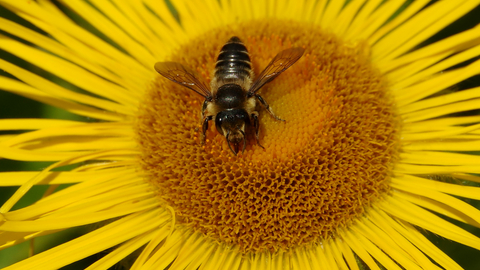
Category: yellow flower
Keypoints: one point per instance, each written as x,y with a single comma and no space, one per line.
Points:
375,148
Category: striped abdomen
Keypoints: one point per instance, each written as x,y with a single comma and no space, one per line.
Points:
233,62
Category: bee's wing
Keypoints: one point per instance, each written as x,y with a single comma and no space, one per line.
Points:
279,64
184,76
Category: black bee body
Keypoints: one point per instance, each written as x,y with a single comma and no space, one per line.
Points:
232,79
233,62
231,99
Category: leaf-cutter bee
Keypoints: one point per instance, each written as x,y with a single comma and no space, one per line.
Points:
232,98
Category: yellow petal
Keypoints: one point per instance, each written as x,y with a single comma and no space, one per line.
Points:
56,204
457,190
445,134
424,219
414,237
121,252
439,158
410,10
55,178
403,168
98,240
422,26
436,51
430,103
434,112
435,84
358,247
67,71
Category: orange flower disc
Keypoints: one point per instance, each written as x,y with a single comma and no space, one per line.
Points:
319,169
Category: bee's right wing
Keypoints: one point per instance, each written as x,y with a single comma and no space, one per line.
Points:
184,76
279,64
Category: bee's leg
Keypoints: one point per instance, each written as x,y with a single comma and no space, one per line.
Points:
205,127
256,125
202,116
204,108
230,145
264,103
244,142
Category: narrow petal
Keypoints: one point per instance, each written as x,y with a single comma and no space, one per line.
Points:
71,50
165,23
58,91
411,9
9,239
440,124
232,260
432,103
403,255
34,123
79,158
333,250
468,177
439,158
441,110
112,31
346,16
280,260
192,248
403,168
379,17
421,70
469,145
69,197
216,259
359,249
82,129
380,256
68,71
98,240
25,90
360,18
420,27
160,235
376,19
170,249
331,12
380,227
413,237
299,260
128,22
436,84
56,178
319,260
445,134
436,51
420,217
121,252
65,222
48,16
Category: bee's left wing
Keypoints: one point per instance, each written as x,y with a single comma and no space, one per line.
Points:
279,64
182,75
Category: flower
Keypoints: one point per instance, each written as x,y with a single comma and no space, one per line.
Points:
375,149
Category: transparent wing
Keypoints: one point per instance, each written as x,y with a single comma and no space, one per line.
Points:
279,64
182,75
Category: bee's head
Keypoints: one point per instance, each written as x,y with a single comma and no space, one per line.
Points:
231,123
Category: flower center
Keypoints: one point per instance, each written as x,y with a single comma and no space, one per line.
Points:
318,170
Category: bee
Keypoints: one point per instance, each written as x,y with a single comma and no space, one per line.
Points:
232,98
